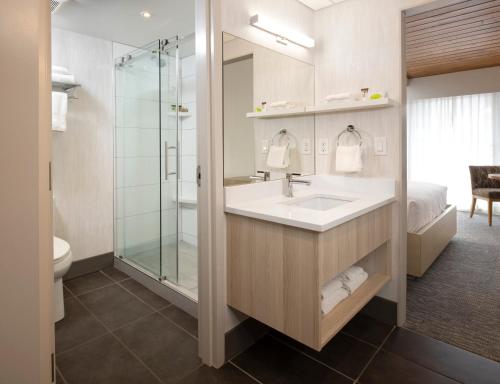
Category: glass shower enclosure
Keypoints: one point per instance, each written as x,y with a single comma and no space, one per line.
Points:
148,165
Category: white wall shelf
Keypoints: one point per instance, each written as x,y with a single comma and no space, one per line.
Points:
333,107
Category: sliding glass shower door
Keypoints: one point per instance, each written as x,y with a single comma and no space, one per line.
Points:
146,159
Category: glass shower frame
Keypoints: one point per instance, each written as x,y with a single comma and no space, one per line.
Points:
147,211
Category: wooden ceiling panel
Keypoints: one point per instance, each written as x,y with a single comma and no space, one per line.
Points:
459,37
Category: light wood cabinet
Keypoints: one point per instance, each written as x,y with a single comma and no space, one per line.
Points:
275,272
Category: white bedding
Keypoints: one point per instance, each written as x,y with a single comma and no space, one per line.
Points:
426,201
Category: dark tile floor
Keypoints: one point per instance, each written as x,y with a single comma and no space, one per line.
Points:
117,331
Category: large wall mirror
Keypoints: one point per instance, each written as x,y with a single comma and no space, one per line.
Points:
255,79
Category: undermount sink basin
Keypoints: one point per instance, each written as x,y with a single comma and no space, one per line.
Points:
320,202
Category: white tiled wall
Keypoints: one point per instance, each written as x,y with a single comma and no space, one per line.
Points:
187,138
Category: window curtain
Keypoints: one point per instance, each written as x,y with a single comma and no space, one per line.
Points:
446,135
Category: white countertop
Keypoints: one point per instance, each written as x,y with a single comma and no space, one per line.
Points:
266,201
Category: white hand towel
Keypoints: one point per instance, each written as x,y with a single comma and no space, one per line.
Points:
338,96
278,156
348,159
60,70
59,111
355,283
333,300
62,78
330,287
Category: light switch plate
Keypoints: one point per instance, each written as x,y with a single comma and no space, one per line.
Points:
323,146
264,146
305,147
380,146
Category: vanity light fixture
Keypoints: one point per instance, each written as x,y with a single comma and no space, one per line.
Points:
146,14
282,34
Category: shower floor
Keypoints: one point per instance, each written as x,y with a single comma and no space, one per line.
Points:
187,264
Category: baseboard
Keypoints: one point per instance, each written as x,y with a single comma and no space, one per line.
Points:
89,265
243,336
383,310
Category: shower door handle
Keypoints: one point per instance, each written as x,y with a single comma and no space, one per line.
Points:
167,173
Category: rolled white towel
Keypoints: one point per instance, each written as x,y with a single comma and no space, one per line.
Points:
352,273
60,70
333,300
278,156
338,96
62,78
355,282
332,286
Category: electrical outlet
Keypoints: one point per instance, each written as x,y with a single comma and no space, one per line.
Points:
305,147
380,146
264,146
323,146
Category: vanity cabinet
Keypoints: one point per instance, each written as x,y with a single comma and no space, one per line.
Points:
276,272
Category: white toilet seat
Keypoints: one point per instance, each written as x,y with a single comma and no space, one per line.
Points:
61,250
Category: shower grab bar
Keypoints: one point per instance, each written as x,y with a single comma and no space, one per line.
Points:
167,174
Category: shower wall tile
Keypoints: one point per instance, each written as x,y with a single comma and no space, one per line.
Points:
83,155
135,142
136,171
188,66
188,168
188,86
189,221
134,201
188,142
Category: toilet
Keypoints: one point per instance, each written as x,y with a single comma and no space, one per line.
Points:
62,262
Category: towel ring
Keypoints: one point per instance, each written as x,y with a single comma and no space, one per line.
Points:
281,134
350,130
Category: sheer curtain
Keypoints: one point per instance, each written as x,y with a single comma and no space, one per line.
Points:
446,135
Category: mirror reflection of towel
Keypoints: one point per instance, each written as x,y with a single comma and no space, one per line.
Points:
348,159
59,111
278,156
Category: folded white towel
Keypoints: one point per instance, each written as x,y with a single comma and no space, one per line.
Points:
278,156
348,158
59,111
60,70
355,283
333,300
338,96
63,78
330,287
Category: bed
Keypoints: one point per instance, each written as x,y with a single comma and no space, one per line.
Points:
432,223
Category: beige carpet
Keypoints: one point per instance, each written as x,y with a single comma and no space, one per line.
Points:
458,299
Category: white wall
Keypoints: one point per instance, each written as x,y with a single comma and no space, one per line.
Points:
485,80
83,155
236,20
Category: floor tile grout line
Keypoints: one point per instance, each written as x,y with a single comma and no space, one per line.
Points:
61,375
93,290
177,325
374,355
116,281
361,340
311,357
143,301
59,354
122,343
244,371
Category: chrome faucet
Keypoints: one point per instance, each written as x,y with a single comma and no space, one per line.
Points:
290,181
266,177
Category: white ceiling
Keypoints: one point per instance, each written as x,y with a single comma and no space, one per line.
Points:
120,20
316,5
